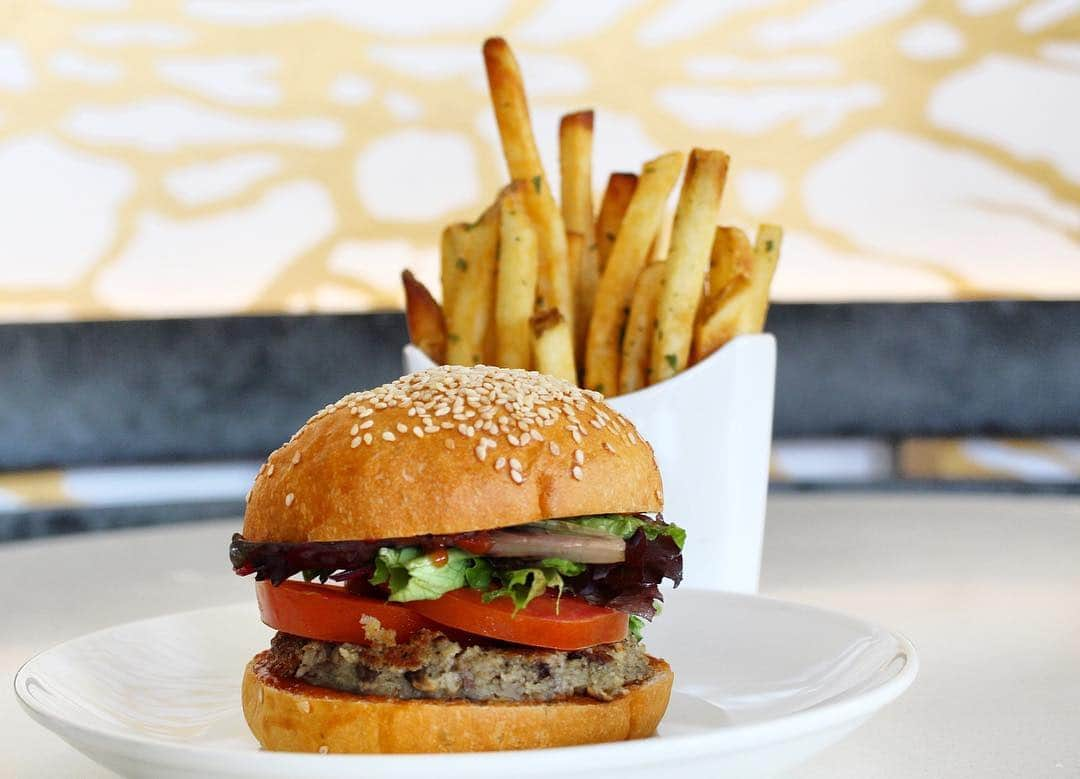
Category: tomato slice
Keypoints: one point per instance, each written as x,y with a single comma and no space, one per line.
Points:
577,624
329,613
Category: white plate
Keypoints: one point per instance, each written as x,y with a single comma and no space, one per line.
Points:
760,686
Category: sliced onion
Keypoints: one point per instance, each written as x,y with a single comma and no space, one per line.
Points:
569,546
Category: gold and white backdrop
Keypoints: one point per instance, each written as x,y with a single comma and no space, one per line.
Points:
222,156
163,158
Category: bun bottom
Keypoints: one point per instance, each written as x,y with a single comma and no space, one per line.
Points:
288,715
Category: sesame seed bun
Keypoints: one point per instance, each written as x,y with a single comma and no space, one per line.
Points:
289,715
449,450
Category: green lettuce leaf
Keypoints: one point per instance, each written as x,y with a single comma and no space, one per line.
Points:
564,567
625,525
521,585
637,626
478,575
411,575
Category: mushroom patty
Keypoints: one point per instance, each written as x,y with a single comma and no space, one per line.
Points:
432,665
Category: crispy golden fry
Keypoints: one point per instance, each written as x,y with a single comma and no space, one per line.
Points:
471,312
515,287
575,252
628,255
620,188
742,306
452,262
721,323
731,258
638,338
522,158
424,316
766,257
575,168
550,345
662,242
688,260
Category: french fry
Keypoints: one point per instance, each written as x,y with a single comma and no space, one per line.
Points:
471,312
620,188
507,89
628,255
662,242
575,252
744,303
515,286
722,322
452,262
766,257
551,339
688,261
424,317
731,258
638,338
575,168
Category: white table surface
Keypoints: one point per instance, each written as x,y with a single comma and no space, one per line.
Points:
988,588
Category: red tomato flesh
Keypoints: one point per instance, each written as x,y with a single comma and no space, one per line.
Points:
329,613
575,624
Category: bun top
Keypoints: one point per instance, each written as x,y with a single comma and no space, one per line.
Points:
449,450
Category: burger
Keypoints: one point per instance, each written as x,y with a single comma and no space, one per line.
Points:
460,560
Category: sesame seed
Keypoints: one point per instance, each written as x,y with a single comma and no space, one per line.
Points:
449,442
516,476
323,750
577,472
493,403
289,499
500,463
579,457
355,442
296,458
481,453
305,705
270,470
554,447
609,447
368,438
632,437
247,498
515,464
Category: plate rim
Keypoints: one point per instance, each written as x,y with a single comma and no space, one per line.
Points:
814,719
